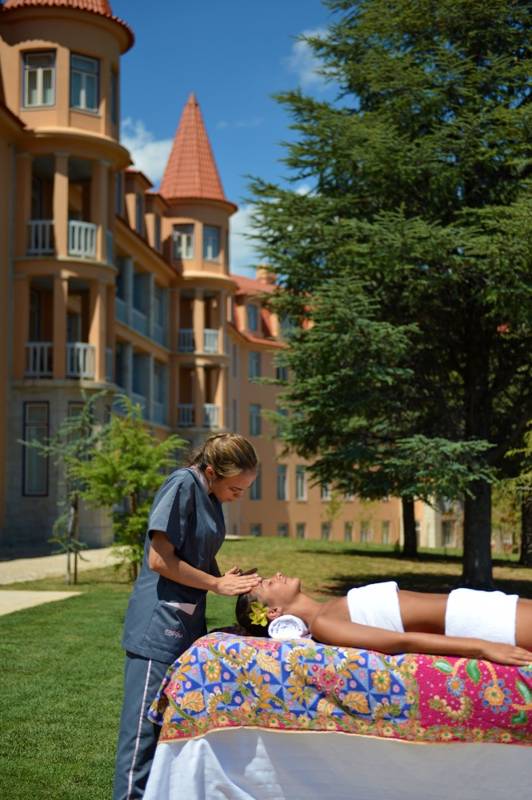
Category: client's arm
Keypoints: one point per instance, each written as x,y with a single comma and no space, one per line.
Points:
350,634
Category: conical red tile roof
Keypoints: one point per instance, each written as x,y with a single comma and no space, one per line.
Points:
191,171
101,7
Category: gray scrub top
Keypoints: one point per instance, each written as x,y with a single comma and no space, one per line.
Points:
193,521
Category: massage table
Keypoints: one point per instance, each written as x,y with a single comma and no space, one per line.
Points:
246,718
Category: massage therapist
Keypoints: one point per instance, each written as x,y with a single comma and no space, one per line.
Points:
166,611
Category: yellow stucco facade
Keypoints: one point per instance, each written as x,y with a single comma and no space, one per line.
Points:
107,284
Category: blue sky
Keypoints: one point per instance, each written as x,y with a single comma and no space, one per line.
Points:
234,54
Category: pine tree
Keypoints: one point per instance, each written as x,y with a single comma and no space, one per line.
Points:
420,199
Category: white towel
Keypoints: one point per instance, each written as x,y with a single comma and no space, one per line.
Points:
288,627
481,615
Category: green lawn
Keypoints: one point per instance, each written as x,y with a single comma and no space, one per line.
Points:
61,663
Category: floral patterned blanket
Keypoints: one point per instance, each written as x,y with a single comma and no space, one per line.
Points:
227,681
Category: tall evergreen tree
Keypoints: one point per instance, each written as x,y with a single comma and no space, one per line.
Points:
420,197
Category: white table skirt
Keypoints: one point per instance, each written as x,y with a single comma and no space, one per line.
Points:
252,764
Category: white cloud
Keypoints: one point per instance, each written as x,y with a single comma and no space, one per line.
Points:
303,62
149,154
243,254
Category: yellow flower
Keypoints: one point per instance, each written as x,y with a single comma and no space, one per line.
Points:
258,614
381,680
193,700
357,701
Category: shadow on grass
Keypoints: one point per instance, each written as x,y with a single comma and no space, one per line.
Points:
422,557
339,585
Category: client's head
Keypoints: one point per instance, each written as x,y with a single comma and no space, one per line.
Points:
271,598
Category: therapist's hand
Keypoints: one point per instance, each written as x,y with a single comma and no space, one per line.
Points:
233,582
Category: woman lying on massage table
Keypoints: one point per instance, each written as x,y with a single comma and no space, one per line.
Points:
468,623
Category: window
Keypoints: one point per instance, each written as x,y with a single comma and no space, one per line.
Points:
183,239
254,365
287,326
157,232
159,305
365,532
255,529
325,531
39,79
234,411
255,490
139,213
281,373
385,531
211,243
418,532
301,530
282,529
282,493
325,491
114,97
348,531
301,482
255,419
283,414
84,83
35,466
234,361
253,317
447,533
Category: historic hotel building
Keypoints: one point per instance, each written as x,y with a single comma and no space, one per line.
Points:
106,283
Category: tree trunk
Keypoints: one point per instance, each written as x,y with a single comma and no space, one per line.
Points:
525,557
477,568
476,563
72,575
409,528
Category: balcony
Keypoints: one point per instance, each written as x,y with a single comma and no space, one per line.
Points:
185,415
139,321
210,340
109,247
40,237
185,342
81,239
211,415
159,412
109,365
121,309
159,333
38,360
140,400
80,360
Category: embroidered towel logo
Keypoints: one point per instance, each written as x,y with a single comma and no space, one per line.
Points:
175,634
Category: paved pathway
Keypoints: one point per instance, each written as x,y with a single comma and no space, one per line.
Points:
31,569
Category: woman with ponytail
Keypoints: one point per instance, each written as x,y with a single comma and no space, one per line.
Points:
166,611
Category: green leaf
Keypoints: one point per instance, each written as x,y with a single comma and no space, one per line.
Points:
443,666
520,719
473,670
524,691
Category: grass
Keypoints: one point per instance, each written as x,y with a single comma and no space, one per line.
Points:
61,663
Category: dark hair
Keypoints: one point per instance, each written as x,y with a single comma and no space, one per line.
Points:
228,454
243,611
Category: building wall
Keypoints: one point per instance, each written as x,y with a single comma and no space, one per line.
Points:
6,170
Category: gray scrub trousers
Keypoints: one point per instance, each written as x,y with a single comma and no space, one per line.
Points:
163,618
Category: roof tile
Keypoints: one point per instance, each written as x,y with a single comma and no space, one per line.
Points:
101,7
191,171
